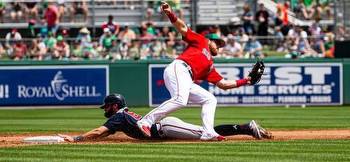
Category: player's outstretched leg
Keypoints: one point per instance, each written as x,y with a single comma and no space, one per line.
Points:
251,128
175,128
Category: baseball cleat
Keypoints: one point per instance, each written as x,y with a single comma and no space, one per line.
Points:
221,138
258,132
264,133
145,129
211,137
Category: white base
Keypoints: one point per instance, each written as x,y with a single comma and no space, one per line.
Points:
43,139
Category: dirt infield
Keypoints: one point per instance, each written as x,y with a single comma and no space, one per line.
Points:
16,140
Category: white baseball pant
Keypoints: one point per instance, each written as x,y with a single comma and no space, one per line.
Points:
182,89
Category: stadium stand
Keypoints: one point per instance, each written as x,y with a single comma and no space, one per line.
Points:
312,35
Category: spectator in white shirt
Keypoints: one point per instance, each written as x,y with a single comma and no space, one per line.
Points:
233,48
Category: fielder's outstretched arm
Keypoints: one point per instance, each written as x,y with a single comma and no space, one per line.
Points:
178,23
93,134
253,78
228,84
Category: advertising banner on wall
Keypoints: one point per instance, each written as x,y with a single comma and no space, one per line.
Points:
282,84
53,85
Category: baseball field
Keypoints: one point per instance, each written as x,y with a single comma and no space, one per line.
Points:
300,134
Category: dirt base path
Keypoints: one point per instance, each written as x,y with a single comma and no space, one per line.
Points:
16,140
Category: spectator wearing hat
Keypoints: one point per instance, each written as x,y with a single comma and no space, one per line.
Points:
50,42
11,39
12,36
19,51
86,43
232,48
61,49
253,48
113,26
106,39
84,37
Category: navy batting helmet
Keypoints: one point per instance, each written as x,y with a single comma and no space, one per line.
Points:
114,99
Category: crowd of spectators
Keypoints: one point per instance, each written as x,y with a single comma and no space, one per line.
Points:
144,42
274,31
260,34
35,10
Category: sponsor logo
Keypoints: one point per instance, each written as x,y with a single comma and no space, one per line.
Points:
286,80
59,88
289,83
4,91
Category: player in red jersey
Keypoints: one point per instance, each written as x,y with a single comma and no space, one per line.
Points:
195,63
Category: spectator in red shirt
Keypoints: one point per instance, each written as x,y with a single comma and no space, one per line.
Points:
19,51
61,49
51,18
285,9
194,64
282,17
113,26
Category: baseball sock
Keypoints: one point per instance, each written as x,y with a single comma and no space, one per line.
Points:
233,129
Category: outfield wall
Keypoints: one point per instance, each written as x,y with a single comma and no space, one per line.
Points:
130,78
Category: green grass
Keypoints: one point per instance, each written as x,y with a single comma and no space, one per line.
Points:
301,150
77,120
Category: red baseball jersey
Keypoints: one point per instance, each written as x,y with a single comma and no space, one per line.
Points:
198,57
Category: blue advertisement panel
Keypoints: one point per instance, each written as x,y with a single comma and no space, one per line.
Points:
282,84
53,85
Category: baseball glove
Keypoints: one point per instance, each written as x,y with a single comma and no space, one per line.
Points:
256,72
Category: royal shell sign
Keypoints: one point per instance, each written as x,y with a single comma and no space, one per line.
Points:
53,85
